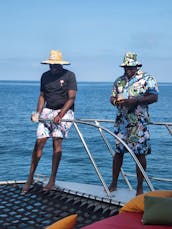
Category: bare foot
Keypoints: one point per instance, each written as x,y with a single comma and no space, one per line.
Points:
49,186
26,187
112,187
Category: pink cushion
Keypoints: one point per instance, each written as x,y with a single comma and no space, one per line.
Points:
126,220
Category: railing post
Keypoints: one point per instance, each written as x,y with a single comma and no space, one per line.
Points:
112,153
92,160
126,146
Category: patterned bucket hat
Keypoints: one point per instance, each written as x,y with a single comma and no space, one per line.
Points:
55,58
130,60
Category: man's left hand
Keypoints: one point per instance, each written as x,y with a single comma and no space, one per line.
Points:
57,119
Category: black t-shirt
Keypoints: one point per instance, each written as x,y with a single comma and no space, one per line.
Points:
55,88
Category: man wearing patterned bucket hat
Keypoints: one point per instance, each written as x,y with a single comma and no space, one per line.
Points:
132,93
56,101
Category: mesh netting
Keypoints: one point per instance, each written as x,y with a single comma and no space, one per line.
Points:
38,209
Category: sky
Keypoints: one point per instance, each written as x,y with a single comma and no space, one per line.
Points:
93,35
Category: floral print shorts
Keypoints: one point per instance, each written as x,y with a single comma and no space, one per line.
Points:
137,137
47,128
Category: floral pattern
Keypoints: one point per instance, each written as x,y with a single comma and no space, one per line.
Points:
47,128
131,126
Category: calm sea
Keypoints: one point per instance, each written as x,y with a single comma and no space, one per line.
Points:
18,100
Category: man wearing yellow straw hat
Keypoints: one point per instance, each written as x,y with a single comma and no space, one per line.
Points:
56,101
131,94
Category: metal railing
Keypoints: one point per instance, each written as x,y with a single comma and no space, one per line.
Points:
96,123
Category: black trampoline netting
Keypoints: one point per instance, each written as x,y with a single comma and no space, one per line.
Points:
38,209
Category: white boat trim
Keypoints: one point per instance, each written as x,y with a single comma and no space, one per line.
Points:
119,197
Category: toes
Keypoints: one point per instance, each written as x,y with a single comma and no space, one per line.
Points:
48,188
25,190
112,188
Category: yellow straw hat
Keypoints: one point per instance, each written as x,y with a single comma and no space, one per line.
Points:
55,58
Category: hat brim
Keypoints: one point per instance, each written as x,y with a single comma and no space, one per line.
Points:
55,62
136,65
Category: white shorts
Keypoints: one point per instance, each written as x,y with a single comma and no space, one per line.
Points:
47,128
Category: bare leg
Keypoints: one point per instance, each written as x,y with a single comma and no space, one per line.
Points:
36,155
140,178
56,157
117,163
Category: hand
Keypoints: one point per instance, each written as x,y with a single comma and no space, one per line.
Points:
57,119
35,117
131,102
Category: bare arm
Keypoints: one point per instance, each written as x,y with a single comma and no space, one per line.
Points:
40,103
140,100
113,100
147,99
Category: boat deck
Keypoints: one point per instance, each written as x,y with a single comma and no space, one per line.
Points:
119,197
37,209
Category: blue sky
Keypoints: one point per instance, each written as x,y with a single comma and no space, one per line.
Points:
93,35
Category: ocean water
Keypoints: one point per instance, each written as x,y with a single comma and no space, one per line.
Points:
18,100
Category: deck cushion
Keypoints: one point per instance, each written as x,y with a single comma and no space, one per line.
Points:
137,203
157,210
127,220
65,223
